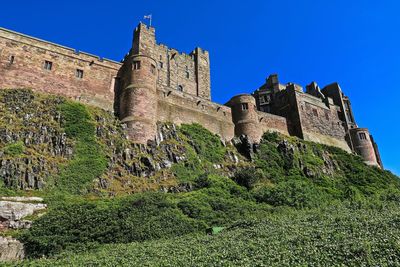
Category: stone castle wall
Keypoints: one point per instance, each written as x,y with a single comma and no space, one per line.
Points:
156,83
22,64
179,107
320,123
272,123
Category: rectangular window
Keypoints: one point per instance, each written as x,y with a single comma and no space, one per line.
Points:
79,73
315,112
161,64
187,75
245,106
47,65
363,136
153,69
136,65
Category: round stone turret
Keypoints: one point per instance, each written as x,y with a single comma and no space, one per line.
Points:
363,146
138,99
244,116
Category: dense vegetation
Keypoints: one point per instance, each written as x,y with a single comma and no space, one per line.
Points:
335,236
295,203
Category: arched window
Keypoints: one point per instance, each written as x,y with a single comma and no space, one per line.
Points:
180,88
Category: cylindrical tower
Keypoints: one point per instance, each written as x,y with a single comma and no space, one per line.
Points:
138,99
244,116
363,146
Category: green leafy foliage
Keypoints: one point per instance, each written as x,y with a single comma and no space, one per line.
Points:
207,145
336,236
86,224
14,149
89,160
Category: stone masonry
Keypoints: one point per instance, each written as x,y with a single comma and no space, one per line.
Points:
155,83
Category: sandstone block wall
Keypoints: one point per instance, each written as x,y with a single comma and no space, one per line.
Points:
180,71
179,107
363,145
272,123
22,64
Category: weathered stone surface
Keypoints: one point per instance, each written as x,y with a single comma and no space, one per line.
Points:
11,249
10,210
23,199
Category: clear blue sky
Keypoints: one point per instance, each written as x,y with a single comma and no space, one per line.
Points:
356,43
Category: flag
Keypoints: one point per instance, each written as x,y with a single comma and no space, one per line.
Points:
147,16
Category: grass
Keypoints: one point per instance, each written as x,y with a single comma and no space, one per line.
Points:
89,160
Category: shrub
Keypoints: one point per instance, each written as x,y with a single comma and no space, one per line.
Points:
85,224
89,160
294,192
206,144
14,149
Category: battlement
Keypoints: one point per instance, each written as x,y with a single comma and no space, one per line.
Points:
57,48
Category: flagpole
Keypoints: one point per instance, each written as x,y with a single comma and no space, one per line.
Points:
149,17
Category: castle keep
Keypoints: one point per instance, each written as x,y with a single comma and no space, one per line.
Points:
156,83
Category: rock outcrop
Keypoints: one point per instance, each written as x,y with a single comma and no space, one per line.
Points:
11,249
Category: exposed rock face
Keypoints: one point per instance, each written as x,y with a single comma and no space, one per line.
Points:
245,146
11,249
12,213
33,123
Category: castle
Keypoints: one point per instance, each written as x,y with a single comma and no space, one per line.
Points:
156,83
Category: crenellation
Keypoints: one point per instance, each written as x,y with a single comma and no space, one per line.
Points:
156,83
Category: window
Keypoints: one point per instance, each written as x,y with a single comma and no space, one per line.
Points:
315,112
79,73
47,65
161,65
187,75
12,59
180,88
153,69
363,136
136,65
245,106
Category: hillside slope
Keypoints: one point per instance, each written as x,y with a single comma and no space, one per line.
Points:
102,189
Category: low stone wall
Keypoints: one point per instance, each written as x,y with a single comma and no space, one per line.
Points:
272,123
326,140
178,107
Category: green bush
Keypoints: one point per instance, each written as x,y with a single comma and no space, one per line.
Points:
86,224
89,160
295,192
14,149
207,145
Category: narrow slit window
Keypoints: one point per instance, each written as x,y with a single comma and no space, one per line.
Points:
161,64
315,112
153,69
187,75
12,58
136,65
363,136
48,65
245,106
79,73
180,88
